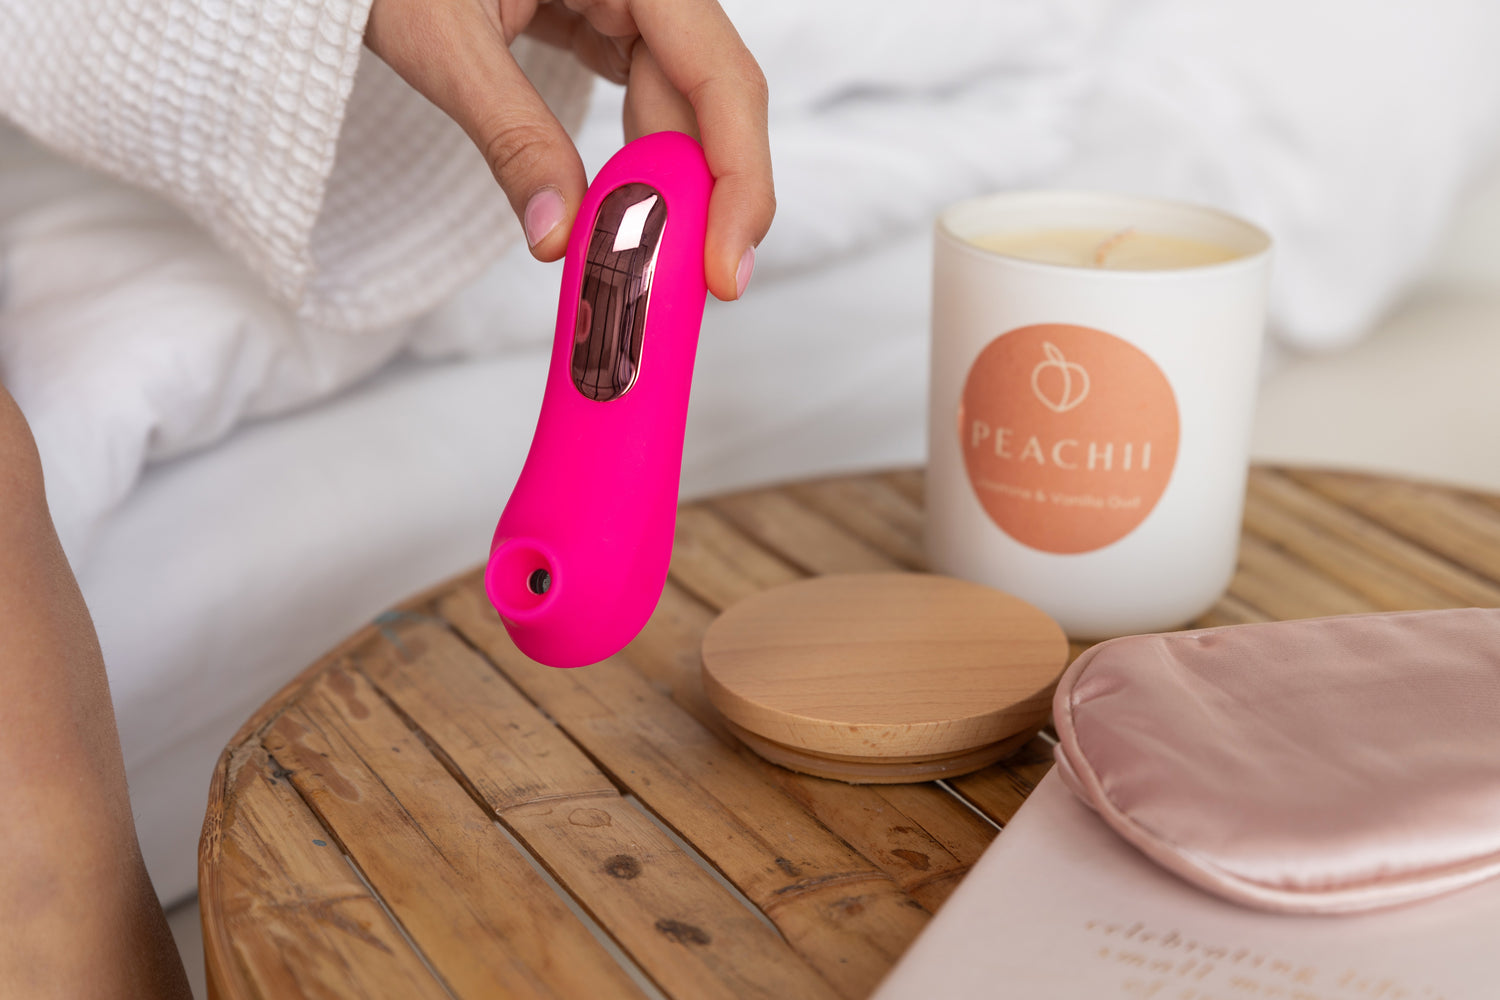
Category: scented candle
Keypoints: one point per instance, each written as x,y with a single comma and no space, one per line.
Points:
1094,366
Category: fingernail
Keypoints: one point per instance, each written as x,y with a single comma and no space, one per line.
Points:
746,268
543,212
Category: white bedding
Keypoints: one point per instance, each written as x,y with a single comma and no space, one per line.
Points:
220,572
128,337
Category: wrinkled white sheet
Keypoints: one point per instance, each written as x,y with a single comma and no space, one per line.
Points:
1350,130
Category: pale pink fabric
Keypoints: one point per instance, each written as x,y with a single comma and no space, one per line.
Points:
1320,766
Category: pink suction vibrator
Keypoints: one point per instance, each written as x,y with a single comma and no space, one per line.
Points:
580,555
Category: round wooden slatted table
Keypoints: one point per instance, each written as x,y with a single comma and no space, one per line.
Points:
426,813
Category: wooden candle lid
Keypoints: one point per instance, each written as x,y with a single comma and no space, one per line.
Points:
883,677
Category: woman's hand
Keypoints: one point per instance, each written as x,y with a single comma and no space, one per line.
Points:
683,65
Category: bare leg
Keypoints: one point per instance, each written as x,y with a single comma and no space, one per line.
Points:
78,917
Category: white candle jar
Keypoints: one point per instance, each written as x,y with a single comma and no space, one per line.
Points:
1089,428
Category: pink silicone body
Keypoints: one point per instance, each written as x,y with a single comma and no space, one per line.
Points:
596,502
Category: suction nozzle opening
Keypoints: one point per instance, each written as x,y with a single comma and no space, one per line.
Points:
520,578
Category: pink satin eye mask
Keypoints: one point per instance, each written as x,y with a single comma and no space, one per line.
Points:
1322,766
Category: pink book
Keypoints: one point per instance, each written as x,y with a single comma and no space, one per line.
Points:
1060,908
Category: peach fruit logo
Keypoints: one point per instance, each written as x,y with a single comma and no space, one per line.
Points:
1068,389
1069,435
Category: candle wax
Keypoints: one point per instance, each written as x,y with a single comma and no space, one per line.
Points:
1106,249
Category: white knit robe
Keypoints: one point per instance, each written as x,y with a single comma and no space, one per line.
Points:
355,200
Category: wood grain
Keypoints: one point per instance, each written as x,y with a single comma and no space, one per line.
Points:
1363,555
817,543
719,564
883,666
1282,584
842,912
488,923
911,831
998,791
872,510
425,813
687,932
287,915
1451,525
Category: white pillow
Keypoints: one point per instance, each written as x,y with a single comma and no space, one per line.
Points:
1351,130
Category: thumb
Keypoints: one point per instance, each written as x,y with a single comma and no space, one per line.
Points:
464,67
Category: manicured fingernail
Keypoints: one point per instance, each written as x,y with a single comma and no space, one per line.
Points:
543,212
746,268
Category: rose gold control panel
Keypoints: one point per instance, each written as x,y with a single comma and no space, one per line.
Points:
616,290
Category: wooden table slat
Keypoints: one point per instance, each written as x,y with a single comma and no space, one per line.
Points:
667,653
488,923
894,838
912,831
911,483
292,917
1231,610
846,915
962,833
718,563
686,931
1459,528
1280,584
1357,553
800,535
875,512
998,790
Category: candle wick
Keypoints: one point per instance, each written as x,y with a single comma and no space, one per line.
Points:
1103,249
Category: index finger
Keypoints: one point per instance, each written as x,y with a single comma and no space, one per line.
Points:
702,55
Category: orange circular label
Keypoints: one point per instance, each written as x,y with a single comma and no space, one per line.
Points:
1069,435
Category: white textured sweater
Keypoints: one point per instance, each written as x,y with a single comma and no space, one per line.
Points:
358,202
